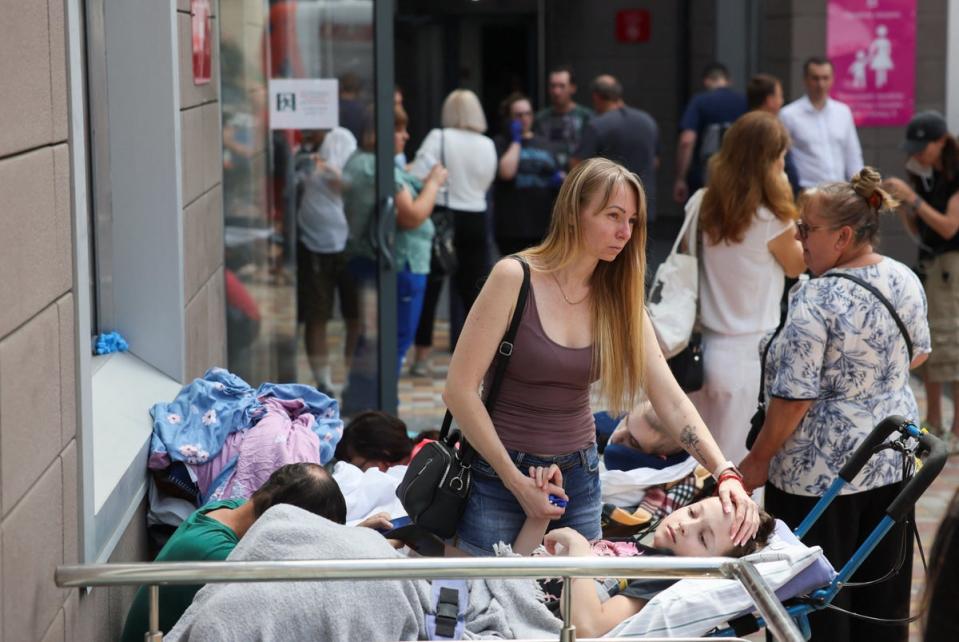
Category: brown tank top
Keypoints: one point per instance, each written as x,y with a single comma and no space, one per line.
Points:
543,404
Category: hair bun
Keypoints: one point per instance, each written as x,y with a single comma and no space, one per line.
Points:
866,182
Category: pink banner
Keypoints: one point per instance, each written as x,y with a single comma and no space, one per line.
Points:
872,45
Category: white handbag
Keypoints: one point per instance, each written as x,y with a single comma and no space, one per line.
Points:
673,298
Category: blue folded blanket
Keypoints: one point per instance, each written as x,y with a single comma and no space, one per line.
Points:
620,457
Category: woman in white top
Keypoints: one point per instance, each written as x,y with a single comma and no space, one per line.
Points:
470,158
746,214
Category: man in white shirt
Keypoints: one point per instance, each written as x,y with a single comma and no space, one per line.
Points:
825,143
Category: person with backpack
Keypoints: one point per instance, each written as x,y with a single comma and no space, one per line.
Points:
701,129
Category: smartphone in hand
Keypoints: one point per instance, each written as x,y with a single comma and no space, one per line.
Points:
417,539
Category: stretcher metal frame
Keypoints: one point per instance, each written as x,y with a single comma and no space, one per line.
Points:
935,452
154,574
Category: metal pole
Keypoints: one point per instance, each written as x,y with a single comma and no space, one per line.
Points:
154,635
420,568
772,610
568,633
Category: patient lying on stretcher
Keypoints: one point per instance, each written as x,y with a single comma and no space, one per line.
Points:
701,529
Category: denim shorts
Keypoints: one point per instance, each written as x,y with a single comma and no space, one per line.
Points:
493,515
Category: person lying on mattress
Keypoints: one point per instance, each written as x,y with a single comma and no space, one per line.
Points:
701,529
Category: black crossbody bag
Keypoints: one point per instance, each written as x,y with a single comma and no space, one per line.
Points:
437,482
759,418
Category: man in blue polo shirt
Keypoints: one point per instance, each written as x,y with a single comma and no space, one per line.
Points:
701,129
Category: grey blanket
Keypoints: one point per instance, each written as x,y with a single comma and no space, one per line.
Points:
344,610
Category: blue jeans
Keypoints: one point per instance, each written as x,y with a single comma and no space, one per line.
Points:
410,289
493,515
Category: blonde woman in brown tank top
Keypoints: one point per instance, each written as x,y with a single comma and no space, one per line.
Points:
584,321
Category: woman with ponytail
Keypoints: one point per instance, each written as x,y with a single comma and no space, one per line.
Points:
839,365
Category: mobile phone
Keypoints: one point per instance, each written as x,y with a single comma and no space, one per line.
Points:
418,539
396,523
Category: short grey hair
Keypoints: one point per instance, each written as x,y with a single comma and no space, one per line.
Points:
462,110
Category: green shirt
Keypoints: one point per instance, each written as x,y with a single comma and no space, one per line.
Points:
359,202
199,538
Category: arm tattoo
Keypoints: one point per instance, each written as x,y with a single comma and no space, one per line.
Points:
690,441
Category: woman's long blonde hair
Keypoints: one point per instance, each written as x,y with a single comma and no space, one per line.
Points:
740,179
616,287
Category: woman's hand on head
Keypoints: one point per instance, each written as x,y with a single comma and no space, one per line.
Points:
735,499
573,544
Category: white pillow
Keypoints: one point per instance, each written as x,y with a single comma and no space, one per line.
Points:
693,607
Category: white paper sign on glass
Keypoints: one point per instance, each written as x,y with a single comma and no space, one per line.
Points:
304,103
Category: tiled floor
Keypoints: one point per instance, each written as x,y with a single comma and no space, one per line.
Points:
422,408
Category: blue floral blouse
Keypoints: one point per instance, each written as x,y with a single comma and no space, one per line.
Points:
842,348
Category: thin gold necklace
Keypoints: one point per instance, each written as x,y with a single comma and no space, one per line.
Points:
553,274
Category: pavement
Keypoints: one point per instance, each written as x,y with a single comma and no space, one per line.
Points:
421,407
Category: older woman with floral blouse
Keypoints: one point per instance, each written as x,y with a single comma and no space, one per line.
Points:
838,366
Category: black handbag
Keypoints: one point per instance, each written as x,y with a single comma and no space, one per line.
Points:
443,260
759,417
437,482
687,366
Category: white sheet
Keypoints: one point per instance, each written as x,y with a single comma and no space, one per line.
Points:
369,492
693,607
627,487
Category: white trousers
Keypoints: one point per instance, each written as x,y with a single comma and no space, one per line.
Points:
728,397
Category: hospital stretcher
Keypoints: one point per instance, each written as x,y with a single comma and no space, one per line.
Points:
787,621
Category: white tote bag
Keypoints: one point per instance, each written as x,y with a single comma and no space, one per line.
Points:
672,300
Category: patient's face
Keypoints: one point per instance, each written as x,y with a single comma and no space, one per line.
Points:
697,530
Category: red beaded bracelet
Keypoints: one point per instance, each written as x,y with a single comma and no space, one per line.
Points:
729,474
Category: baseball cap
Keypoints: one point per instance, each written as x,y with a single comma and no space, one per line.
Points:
925,127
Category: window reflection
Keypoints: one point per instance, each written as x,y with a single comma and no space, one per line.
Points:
287,232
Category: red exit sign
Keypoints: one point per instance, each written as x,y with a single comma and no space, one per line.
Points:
632,25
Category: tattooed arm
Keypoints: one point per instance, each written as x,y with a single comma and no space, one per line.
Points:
674,408
682,421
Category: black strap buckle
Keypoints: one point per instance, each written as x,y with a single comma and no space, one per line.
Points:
447,612
506,348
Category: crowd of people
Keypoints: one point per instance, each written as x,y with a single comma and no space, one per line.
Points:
780,193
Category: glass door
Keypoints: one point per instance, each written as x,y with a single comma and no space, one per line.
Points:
307,100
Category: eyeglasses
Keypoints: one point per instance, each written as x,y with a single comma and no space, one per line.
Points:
804,229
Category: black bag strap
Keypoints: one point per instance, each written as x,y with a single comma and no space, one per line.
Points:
503,355
443,163
854,279
884,301
762,362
